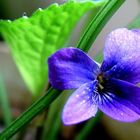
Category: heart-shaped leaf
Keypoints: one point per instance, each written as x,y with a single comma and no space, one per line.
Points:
32,40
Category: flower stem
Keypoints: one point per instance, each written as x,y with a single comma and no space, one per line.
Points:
88,127
85,43
53,123
27,116
5,102
98,23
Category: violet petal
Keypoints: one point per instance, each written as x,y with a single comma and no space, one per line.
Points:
128,69
121,101
127,91
70,68
120,45
80,105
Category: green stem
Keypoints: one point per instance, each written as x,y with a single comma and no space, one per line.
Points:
5,103
40,122
53,122
50,123
88,127
85,43
98,23
27,116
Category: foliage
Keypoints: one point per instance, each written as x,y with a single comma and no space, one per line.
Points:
32,40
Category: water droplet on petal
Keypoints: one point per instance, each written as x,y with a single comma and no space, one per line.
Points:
121,114
83,101
77,96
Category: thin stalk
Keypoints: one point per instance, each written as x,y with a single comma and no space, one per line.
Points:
5,103
53,122
85,43
88,127
27,116
40,124
98,23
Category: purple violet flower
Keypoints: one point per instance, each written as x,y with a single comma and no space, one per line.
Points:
111,87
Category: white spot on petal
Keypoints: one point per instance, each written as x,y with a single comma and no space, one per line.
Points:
122,114
77,96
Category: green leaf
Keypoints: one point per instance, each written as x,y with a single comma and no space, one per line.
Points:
32,40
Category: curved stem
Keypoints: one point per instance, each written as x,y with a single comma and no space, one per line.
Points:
33,111
98,23
85,43
53,122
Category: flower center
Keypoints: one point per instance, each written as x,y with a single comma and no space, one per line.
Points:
101,81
